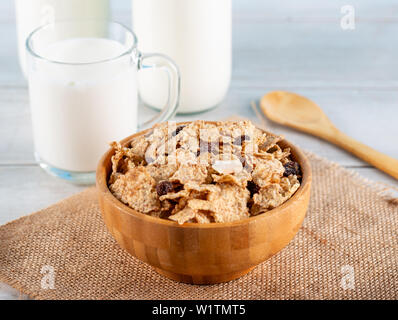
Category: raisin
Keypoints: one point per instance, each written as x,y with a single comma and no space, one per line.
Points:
272,149
239,140
177,187
253,188
292,167
177,131
164,187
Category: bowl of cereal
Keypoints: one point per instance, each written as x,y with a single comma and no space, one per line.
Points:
203,202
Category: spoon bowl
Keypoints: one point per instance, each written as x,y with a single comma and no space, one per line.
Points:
291,107
296,111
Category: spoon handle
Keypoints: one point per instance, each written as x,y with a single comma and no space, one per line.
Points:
380,160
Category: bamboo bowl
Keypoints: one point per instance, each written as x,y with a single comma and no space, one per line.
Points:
203,253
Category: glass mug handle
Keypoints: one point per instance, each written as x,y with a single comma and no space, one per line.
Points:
165,63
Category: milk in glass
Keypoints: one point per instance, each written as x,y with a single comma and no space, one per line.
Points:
78,109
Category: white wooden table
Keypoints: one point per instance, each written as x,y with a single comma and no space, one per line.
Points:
277,45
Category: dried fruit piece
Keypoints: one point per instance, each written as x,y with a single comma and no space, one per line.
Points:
177,130
253,188
292,167
164,187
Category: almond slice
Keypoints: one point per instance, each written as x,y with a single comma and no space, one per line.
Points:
227,166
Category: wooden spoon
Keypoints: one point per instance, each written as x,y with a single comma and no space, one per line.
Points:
301,113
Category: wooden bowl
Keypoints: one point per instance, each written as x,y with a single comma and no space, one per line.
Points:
203,253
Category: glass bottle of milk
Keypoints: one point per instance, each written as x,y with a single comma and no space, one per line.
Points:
31,14
196,34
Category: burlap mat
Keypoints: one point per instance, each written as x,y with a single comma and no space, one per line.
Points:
346,249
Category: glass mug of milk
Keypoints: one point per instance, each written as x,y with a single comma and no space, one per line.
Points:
83,93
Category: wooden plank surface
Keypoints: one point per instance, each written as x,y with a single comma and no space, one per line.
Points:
277,45
285,46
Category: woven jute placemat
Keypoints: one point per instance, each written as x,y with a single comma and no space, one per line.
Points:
347,248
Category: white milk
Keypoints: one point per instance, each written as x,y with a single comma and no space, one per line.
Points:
196,34
31,14
78,109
